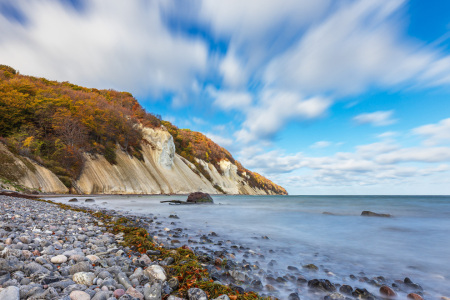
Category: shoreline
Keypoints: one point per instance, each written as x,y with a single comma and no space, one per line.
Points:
83,257
242,276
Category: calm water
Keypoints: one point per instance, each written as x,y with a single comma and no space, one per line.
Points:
414,243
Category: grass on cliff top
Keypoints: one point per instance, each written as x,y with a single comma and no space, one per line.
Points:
186,268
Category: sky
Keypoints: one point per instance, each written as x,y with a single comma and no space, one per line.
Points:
322,97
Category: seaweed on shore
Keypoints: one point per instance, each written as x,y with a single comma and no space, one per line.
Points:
186,266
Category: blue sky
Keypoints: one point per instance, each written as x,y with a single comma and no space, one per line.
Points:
323,97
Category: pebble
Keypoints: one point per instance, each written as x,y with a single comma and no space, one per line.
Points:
197,294
92,258
10,293
119,293
79,295
134,293
86,278
59,259
155,272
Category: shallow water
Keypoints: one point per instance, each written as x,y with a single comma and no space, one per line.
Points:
414,243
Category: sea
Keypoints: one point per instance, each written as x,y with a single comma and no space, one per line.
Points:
327,231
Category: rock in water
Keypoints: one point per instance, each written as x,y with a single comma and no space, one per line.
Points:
199,197
321,285
73,200
387,291
414,296
367,213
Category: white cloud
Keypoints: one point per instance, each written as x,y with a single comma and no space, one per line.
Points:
387,135
435,133
321,144
354,49
275,109
222,141
199,121
110,44
232,71
260,29
229,100
377,164
378,118
417,154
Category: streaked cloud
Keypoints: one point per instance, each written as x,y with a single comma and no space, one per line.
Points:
321,144
378,118
435,134
111,44
275,109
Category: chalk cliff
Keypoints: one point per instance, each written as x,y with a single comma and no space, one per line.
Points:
23,172
160,170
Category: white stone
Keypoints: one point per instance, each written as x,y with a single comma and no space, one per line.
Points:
79,295
156,272
10,293
86,278
93,258
58,259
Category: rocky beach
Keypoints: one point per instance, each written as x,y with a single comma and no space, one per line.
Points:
50,251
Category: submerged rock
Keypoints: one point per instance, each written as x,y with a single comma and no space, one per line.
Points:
321,285
367,213
414,296
387,291
199,197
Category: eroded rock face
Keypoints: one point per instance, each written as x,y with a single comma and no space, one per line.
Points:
167,153
199,197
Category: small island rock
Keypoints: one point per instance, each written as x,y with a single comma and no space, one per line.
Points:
199,197
367,213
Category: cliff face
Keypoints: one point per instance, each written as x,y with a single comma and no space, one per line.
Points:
23,172
160,170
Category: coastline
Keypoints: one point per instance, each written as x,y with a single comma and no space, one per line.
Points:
222,260
68,257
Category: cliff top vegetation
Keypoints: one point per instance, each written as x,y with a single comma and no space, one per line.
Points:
54,122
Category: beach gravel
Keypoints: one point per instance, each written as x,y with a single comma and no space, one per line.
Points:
47,252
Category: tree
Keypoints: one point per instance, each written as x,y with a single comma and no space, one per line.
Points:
69,129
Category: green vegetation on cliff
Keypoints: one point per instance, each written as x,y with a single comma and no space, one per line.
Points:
191,145
53,123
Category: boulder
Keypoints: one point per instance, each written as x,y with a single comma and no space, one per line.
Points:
367,213
199,197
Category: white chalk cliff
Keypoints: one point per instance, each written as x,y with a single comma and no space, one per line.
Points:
160,171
